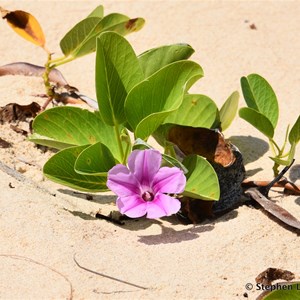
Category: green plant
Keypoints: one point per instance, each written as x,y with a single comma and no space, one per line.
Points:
262,113
137,95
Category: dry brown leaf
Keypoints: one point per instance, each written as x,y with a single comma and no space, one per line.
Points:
16,112
271,274
26,25
273,208
202,141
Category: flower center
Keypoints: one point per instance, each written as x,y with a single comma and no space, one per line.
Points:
147,196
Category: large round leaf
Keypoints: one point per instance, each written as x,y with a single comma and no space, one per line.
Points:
202,180
65,126
95,160
151,101
78,36
154,59
117,72
195,111
60,168
258,120
260,96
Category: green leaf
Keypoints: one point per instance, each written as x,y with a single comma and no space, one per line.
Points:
60,168
228,110
81,39
169,160
260,96
65,126
95,160
117,72
78,35
281,162
155,59
121,24
151,101
49,142
290,291
258,120
114,22
202,181
97,12
195,111
294,136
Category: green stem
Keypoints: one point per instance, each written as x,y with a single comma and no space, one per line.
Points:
273,143
277,155
60,61
169,150
117,133
285,140
276,169
45,76
128,148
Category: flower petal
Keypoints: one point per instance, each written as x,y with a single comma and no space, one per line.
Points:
122,182
132,206
161,206
144,164
169,180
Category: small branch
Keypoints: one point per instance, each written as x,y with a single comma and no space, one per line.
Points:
283,183
107,276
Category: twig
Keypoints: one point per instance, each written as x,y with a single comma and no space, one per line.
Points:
284,183
264,186
40,264
107,276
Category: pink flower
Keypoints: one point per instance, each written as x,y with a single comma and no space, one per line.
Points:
142,186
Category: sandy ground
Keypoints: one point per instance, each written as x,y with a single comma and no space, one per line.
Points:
44,226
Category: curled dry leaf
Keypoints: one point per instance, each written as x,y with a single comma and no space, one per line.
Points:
202,141
273,208
271,274
26,25
16,112
27,69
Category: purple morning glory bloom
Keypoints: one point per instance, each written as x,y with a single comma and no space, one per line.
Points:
142,186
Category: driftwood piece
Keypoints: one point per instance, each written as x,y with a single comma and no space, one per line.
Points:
27,69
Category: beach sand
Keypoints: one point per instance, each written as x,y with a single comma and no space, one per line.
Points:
45,226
